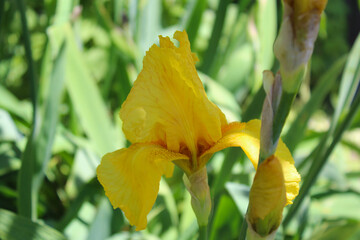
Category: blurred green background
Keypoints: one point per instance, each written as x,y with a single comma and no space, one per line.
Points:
63,80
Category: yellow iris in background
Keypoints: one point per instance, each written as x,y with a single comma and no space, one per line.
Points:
169,120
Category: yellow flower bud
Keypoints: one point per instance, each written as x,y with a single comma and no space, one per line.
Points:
267,198
295,42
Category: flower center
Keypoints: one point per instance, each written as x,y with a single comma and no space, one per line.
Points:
193,164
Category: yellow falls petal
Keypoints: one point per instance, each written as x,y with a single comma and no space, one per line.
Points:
247,136
131,176
168,103
236,134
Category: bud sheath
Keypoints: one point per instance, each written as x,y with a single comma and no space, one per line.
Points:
197,185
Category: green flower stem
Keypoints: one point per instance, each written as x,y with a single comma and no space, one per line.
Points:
320,160
203,233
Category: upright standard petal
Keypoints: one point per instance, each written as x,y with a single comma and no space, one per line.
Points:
131,176
247,136
168,103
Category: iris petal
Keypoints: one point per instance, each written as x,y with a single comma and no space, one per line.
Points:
168,103
131,176
247,136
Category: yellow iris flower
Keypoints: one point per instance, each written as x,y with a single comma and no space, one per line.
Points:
169,120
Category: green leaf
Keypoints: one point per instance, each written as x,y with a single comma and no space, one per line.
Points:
14,106
9,160
133,236
39,145
231,156
190,231
100,228
349,82
221,97
263,34
253,111
82,171
149,24
327,207
8,129
79,227
240,195
267,26
88,190
187,218
216,34
323,152
14,227
86,99
344,230
226,219
347,105
297,129
170,203
232,76
234,51
303,219
64,9
193,20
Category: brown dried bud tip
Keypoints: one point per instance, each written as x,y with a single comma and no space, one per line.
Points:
305,18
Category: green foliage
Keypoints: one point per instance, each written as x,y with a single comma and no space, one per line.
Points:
67,66
14,227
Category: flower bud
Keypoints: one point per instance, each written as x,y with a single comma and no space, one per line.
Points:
267,198
198,187
295,42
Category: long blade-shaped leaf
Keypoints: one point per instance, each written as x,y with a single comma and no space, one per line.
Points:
14,227
38,149
215,36
87,101
351,79
11,104
196,10
298,127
